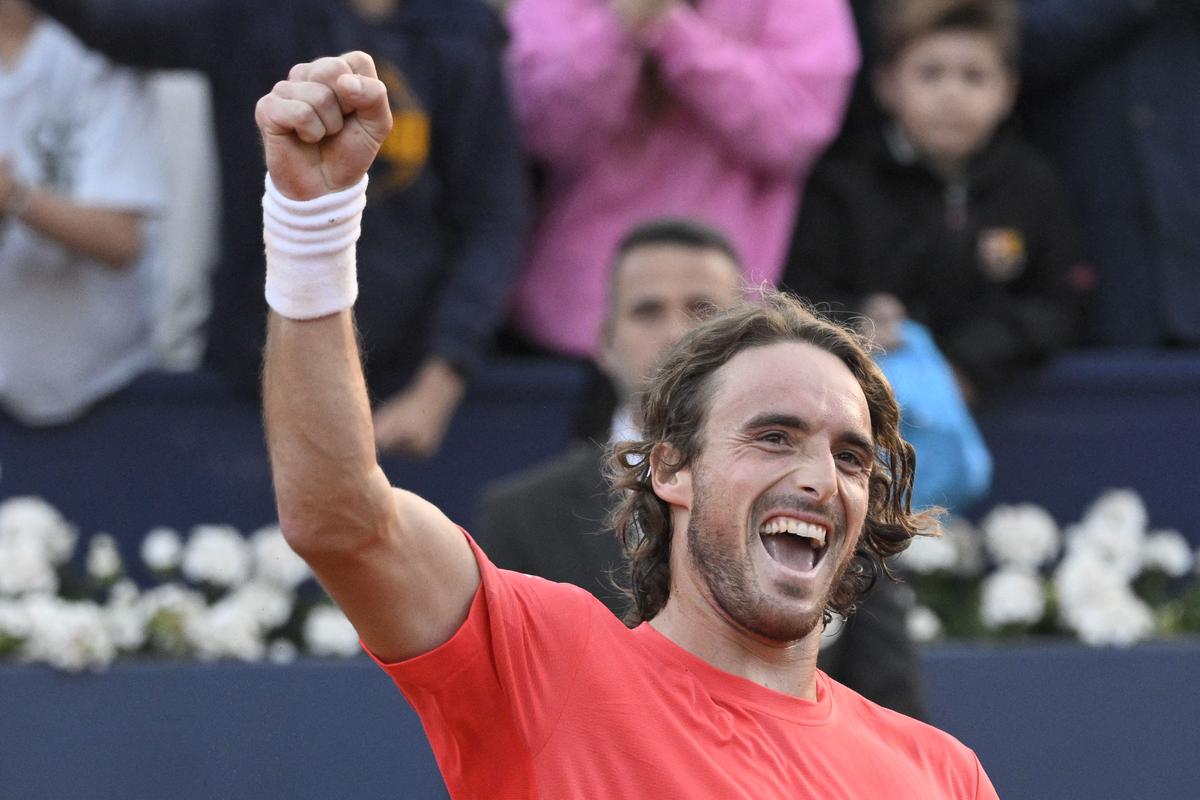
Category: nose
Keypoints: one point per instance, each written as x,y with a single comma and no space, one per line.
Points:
815,476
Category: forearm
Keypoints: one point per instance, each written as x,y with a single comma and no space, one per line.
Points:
329,489
109,236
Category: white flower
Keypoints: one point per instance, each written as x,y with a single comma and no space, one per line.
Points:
1022,535
968,547
327,632
216,554
1121,620
70,636
173,599
25,567
269,605
226,630
103,558
14,620
162,549
274,559
1011,596
1118,547
928,554
33,517
167,610
1096,601
1168,552
125,616
1083,579
923,624
282,651
1119,510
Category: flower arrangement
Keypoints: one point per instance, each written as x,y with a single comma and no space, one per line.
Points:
1107,579
219,595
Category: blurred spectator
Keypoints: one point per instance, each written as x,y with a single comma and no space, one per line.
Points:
944,217
1112,94
638,109
80,179
551,520
443,228
190,242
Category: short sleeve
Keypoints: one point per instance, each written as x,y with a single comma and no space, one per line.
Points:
511,665
983,786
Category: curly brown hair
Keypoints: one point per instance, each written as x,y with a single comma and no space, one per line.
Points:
674,412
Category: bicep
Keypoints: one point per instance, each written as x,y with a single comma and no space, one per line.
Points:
409,589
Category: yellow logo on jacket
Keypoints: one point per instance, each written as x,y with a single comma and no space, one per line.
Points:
1002,253
406,148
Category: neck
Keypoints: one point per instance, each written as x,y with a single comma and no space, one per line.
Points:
693,622
16,24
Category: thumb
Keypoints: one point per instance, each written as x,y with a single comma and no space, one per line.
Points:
367,98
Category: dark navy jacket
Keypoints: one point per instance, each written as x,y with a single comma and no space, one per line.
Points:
443,228
1112,94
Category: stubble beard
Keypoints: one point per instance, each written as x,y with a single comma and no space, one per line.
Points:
730,580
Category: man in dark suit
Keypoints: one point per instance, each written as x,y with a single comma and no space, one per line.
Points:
551,520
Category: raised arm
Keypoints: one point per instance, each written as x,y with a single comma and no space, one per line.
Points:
400,570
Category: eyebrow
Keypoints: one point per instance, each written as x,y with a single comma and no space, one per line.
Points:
771,419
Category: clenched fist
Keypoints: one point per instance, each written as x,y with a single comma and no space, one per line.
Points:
322,127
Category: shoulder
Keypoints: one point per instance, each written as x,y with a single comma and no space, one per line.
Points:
930,750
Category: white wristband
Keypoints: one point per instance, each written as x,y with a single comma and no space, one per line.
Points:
310,246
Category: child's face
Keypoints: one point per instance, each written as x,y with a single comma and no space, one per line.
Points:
948,90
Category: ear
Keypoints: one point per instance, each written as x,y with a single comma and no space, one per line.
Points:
673,485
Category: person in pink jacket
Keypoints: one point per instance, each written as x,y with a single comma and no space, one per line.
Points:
712,110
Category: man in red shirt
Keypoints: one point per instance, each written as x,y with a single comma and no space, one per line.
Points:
771,475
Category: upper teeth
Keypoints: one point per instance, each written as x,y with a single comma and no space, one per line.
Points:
794,526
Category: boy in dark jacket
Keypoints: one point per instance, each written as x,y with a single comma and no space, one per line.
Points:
943,217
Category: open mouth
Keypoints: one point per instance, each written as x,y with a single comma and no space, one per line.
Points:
792,543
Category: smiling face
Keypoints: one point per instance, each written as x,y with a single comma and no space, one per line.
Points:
948,90
774,503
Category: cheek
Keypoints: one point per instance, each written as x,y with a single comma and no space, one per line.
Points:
855,498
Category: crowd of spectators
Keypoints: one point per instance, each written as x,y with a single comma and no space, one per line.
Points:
531,135
988,180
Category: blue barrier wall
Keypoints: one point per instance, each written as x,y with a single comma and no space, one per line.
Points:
1057,722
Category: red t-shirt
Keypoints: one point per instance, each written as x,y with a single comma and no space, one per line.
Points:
543,693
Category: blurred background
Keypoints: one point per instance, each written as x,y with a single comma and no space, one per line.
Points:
1004,197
